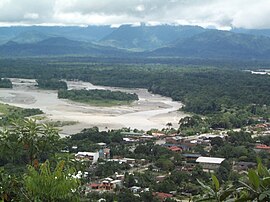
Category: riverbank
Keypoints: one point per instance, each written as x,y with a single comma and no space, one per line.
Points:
150,111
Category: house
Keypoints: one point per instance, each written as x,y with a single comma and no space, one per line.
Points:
243,166
175,140
104,153
162,196
191,158
262,147
120,177
161,178
175,149
87,156
129,160
209,163
102,144
116,183
107,184
135,189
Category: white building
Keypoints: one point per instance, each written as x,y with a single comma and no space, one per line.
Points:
87,156
209,163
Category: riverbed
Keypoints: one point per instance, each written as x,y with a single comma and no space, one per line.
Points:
150,111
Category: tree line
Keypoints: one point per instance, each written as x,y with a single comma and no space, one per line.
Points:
88,95
5,83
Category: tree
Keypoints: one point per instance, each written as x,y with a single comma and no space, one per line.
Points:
37,139
9,187
257,187
51,185
214,192
169,125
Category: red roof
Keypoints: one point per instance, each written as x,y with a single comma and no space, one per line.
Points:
175,148
94,185
262,146
162,196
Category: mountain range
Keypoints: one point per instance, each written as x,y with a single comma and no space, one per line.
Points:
142,41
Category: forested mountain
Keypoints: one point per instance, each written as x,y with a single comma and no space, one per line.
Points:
25,33
149,37
257,32
219,44
55,46
30,37
136,41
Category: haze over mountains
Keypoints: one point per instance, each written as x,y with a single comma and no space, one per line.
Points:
143,41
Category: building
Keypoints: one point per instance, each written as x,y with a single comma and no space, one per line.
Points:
209,163
262,147
162,196
191,158
104,153
243,166
107,184
175,149
87,156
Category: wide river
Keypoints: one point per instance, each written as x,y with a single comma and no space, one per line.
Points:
150,111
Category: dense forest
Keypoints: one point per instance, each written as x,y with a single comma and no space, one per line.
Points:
32,155
5,83
90,96
51,84
207,90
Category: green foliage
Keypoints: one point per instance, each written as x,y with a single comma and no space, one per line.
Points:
9,186
10,113
51,84
214,192
5,83
98,97
165,164
203,90
257,185
109,168
127,196
27,141
86,140
47,184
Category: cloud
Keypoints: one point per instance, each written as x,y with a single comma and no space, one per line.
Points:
31,16
218,13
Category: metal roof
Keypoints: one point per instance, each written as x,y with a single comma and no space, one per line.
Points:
212,160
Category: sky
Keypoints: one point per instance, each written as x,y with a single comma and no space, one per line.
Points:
221,14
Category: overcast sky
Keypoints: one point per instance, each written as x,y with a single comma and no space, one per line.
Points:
207,13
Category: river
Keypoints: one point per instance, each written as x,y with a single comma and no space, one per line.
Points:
150,111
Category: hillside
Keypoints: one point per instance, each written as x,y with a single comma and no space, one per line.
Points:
219,44
55,46
25,34
134,41
148,37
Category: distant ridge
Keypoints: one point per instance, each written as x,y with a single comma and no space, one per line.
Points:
148,37
135,41
56,46
219,44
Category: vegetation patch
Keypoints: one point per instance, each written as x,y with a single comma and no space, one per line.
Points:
9,113
51,84
5,83
98,97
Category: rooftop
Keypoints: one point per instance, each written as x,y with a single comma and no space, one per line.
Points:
86,154
212,160
262,146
